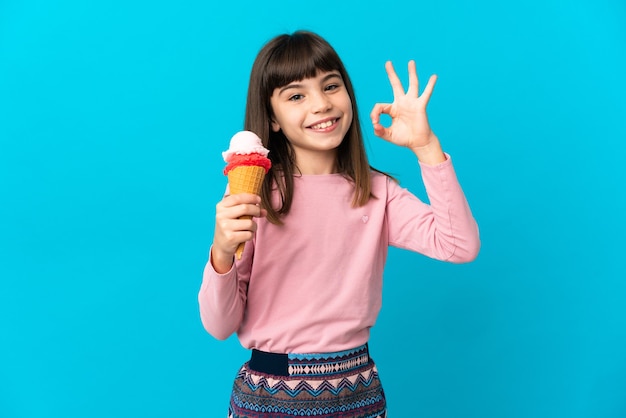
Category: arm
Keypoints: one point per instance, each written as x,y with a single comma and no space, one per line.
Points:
222,300
222,296
445,229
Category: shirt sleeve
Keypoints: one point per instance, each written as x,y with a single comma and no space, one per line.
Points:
222,297
444,229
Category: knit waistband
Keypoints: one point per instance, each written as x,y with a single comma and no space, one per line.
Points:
309,365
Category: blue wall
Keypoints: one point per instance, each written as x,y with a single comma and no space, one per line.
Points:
112,119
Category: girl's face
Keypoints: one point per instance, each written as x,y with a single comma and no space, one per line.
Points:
315,115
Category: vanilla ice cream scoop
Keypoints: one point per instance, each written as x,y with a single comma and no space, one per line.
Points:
244,143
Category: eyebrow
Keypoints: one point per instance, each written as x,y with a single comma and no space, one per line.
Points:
297,86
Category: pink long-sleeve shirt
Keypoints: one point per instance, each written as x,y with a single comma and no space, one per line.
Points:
314,284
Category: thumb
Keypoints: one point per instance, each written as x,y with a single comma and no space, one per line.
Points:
382,132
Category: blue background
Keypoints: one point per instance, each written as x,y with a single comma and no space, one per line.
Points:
112,119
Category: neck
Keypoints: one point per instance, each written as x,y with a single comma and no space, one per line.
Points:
316,164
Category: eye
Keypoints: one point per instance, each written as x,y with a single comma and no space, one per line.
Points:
295,97
331,87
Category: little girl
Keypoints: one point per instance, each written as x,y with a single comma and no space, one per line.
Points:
308,287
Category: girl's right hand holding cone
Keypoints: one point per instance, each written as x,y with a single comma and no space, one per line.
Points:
230,231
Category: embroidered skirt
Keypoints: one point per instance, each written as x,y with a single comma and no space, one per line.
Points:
338,385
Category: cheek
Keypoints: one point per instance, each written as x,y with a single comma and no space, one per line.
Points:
278,120
348,114
348,108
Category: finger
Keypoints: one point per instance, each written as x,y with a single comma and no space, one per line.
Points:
382,132
241,198
380,109
226,213
244,210
235,231
243,225
396,84
414,86
428,90
233,238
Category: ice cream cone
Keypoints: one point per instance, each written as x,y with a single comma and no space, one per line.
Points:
245,179
247,164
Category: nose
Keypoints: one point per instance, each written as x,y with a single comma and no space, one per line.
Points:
320,103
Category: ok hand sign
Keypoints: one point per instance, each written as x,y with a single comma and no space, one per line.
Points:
409,122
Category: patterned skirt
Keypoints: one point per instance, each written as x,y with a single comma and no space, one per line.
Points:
338,385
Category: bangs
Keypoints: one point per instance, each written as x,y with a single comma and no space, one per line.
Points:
300,56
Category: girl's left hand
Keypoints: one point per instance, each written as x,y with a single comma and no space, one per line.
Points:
409,123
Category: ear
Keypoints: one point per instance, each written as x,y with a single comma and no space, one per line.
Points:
275,125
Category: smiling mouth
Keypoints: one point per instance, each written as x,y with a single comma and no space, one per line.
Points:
324,125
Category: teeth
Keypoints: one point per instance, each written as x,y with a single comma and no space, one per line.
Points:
323,125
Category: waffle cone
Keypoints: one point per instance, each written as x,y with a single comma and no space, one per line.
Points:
245,179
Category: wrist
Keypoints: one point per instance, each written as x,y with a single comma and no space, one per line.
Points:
221,262
431,153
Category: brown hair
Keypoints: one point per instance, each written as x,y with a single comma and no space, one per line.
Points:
284,59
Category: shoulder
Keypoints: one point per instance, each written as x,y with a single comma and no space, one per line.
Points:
383,186
377,176
388,189
382,181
